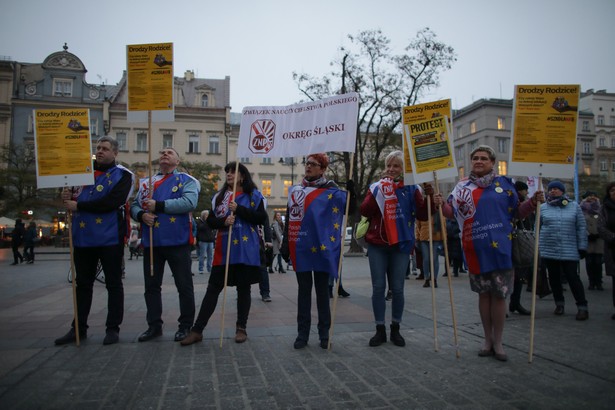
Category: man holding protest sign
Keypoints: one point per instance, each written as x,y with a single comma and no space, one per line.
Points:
167,211
99,228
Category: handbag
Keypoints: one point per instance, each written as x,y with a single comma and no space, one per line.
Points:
523,242
362,227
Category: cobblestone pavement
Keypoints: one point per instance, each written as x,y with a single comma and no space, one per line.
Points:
573,363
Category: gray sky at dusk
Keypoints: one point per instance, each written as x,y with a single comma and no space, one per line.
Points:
260,43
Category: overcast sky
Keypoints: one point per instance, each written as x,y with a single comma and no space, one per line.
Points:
260,43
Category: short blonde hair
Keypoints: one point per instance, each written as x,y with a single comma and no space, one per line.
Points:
484,148
395,155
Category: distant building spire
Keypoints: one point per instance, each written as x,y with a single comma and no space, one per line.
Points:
65,47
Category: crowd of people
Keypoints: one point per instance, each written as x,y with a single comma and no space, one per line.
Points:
238,245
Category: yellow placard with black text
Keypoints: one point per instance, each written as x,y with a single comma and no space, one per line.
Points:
63,147
150,76
544,130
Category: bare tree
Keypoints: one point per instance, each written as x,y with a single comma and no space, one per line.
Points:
18,182
385,83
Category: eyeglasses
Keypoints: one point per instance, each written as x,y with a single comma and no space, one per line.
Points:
312,164
477,158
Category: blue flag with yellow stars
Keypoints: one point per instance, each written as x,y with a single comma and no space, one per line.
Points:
315,228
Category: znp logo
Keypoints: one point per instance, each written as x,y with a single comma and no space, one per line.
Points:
262,133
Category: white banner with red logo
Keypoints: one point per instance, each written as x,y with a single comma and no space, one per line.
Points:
326,125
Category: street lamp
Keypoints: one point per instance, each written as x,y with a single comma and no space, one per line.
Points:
289,161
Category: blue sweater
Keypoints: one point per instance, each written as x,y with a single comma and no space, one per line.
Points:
562,231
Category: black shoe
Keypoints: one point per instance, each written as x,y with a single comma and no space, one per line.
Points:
112,337
281,270
270,270
445,275
341,292
559,310
70,337
300,344
463,271
520,309
150,333
14,263
181,334
380,337
396,337
420,277
324,343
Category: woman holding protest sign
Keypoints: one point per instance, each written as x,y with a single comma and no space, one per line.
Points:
485,205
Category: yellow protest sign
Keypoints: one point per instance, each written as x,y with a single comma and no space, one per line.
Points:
544,130
150,76
417,114
63,147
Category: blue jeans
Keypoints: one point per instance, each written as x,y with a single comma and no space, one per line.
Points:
383,259
425,251
263,285
205,248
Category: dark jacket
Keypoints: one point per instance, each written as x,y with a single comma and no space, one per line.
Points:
204,232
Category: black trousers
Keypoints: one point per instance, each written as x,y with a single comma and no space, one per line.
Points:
210,301
180,262
86,261
320,281
565,269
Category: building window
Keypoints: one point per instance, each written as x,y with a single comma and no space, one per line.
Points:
460,153
601,142
30,124
612,166
121,140
204,100
94,126
62,87
612,142
612,121
214,144
502,145
501,123
267,161
472,145
266,187
193,144
586,126
459,132
472,127
287,184
587,170
167,140
600,120
603,165
587,148
245,160
142,142
502,168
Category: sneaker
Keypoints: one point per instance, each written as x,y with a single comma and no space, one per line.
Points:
266,298
201,272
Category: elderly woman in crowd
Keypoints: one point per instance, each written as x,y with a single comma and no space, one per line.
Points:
606,228
485,205
595,245
563,242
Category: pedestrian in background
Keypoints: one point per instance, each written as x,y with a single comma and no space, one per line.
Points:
522,273
563,242
28,241
206,237
595,245
277,234
422,229
606,228
17,240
